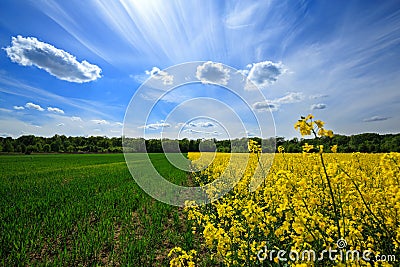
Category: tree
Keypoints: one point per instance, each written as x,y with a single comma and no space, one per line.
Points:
8,147
30,149
46,148
70,148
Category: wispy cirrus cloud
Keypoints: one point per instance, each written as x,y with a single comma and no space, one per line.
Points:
29,51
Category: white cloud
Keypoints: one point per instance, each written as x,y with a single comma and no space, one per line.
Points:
318,96
158,74
201,124
55,110
30,105
18,107
215,133
291,97
30,51
318,106
61,124
155,126
73,118
376,118
211,72
265,105
101,122
265,73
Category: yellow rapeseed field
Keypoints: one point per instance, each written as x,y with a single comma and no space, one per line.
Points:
309,209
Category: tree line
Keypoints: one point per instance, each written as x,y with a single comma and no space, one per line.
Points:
366,142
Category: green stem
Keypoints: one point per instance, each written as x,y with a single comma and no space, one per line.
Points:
335,208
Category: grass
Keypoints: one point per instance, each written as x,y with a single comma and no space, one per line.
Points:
85,210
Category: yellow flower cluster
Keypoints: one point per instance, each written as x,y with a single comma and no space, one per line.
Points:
293,209
306,201
253,147
307,126
182,257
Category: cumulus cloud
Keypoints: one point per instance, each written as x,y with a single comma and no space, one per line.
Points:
211,72
318,106
376,118
265,73
101,122
155,126
55,110
18,107
29,51
31,105
158,74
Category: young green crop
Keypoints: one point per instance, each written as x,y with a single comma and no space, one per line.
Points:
69,210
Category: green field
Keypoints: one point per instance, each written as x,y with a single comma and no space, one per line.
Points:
85,210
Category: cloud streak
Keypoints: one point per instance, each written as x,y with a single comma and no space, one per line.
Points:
192,131
273,105
155,126
201,124
376,118
100,122
29,51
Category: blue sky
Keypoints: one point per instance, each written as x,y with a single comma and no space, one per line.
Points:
72,67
